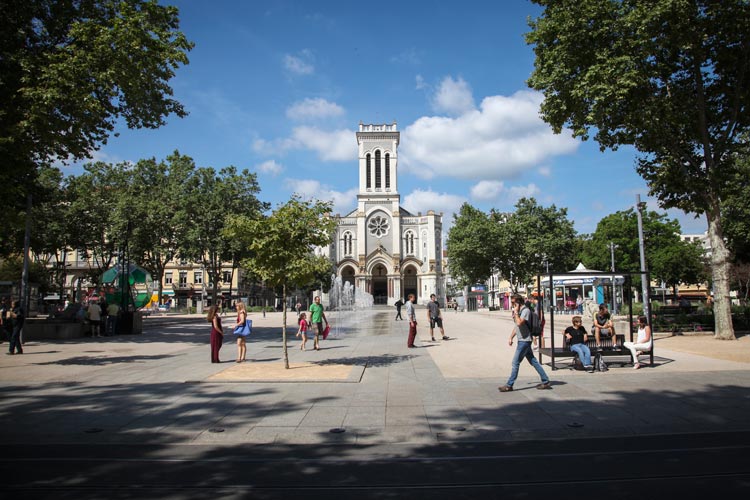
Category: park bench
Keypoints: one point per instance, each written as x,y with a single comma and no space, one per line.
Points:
608,349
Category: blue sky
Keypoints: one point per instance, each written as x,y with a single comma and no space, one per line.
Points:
279,87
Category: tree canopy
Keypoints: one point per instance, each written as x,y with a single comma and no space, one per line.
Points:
670,259
668,77
72,70
214,199
518,245
472,245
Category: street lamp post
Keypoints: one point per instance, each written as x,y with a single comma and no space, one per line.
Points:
612,247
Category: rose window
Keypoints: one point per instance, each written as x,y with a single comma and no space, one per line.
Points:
378,226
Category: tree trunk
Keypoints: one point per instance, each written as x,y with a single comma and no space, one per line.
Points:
720,266
283,328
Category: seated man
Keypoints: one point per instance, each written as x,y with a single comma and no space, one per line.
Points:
603,325
577,336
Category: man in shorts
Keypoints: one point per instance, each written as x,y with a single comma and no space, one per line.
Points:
435,317
603,325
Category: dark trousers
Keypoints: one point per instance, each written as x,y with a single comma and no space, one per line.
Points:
111,326
412,334
398,313
15,340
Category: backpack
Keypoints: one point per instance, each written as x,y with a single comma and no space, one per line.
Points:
600,364
536,326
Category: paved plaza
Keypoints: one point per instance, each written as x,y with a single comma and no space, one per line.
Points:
363,387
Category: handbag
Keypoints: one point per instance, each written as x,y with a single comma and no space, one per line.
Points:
326,331
244,330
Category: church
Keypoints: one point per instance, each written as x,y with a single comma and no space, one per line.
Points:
379,247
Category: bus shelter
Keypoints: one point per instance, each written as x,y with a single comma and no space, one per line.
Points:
598,279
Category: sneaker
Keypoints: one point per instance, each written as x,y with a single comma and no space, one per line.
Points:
433,339
505,388
445,337
545,385
589,368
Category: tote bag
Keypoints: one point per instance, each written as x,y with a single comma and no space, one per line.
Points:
244,330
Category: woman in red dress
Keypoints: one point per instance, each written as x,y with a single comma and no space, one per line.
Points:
217,333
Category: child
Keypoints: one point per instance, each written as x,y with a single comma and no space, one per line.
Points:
302,330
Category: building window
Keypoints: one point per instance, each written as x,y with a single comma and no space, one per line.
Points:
368,171
377,170
348,243
168,278
183,278
378,226
387,171
198,277
409,243
227,277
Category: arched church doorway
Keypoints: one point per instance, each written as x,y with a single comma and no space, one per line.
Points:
380,284
347,275
410,282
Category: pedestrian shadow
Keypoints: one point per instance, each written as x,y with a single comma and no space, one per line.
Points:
382,360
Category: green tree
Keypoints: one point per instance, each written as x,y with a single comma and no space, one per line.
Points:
158,207
472,246
72,70
100,224
214,199
670,259
669,78
736,211
534,238
52,234
282,246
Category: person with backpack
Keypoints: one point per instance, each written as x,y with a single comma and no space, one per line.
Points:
521,316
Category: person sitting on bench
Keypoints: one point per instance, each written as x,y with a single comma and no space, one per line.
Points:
577,337
644,342
603,325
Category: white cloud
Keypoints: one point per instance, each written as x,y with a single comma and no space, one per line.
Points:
422,201
486,190
410,56
270,167
313,189
492,190
311,109
517,192
301,64
545,171
453,97
420,83
498,141
336,145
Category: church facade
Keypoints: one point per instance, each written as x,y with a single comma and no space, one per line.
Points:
379,247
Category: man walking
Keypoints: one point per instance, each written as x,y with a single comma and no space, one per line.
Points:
412,317
523,351
317,316
398,305
435,317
